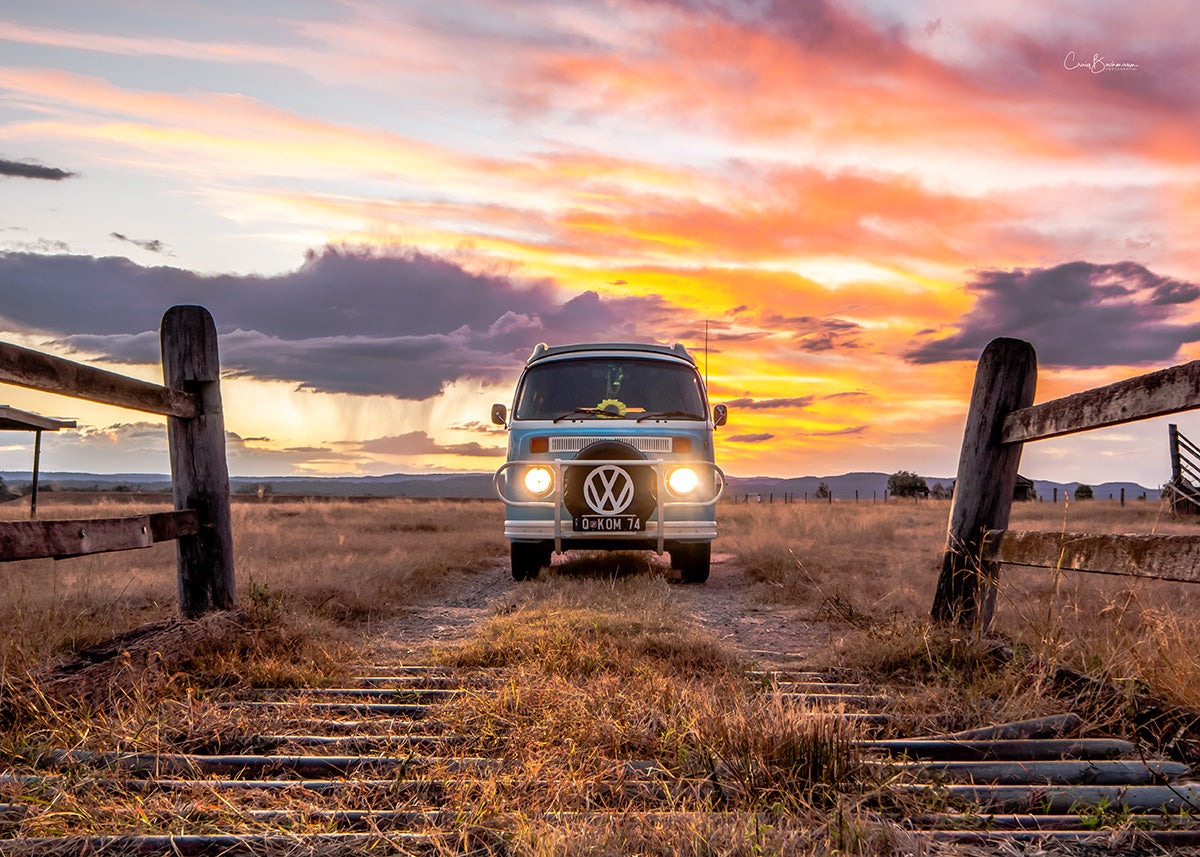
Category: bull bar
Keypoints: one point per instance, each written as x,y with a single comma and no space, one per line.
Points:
559,465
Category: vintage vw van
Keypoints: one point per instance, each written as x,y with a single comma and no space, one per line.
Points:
610,447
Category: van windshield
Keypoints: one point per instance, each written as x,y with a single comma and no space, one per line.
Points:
607,388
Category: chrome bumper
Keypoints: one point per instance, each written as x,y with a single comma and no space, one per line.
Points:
547,529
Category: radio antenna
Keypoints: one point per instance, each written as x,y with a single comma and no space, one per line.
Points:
706,355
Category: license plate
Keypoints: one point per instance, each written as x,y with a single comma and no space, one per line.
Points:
608,524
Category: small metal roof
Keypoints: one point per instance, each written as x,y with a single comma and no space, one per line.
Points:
13,420
542,350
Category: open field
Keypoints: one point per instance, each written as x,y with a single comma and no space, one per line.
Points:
341,567
604,659
331,568
874,568
338,569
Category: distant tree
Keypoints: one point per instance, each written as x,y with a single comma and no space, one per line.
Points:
902,483
824,492
1083,492
941,492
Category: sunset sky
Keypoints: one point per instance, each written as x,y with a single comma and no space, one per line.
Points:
386,205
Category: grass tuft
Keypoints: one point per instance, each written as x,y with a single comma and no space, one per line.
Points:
579,626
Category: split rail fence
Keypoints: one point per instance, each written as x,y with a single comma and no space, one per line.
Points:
190,399
1001,419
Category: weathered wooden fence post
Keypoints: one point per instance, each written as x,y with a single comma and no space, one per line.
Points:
1176,464
1005,381
37,463
199,473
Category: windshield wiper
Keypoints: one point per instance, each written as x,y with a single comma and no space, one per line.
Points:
664,415
592,412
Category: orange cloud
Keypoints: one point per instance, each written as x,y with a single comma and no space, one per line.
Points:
228,128
751,81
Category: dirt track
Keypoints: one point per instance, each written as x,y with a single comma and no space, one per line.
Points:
768,633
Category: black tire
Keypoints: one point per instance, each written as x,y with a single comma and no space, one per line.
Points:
528,559
694,562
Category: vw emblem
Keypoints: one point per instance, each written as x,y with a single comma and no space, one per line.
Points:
608,489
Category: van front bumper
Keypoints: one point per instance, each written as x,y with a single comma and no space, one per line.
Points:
659,529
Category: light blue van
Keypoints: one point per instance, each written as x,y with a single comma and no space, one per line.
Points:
610,447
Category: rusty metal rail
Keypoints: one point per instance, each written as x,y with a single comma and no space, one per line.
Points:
1035,781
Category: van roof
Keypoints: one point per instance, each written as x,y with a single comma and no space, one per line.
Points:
543,351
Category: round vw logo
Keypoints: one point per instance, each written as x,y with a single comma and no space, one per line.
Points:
608,489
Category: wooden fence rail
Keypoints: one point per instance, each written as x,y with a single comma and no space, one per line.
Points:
190,399
62,539
1000,420
49,374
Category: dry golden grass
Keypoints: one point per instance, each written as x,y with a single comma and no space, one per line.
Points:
318,566
570,626
870,557
874,567
600,668
603,670
844,831
600,663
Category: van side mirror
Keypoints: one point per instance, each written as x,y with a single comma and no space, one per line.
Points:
499,415
720,415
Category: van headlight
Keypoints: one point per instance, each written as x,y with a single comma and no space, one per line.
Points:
682,481
539,480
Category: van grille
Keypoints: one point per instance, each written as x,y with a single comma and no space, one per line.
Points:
638,442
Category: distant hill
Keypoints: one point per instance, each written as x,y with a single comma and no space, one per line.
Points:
868,485
1103,491
393,485
874,485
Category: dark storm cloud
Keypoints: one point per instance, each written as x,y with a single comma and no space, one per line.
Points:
816,333
1078,315
407,367
346,321
770,404
420,443
719,332
153,245
28,170
39,245
249,458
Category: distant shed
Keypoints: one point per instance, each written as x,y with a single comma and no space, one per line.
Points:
12,419
1024,489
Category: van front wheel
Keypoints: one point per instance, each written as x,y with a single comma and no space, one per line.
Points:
692,561
528,558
